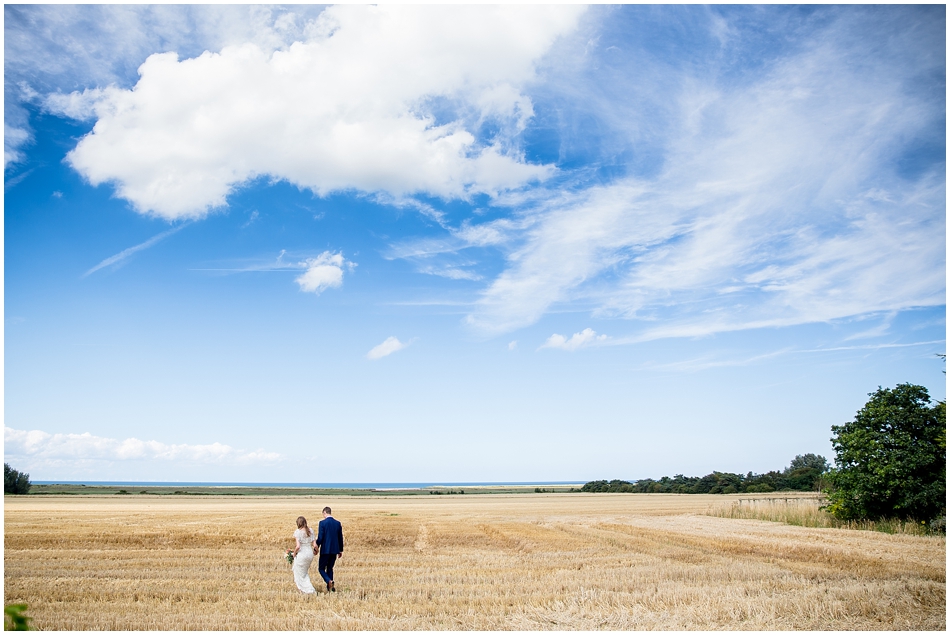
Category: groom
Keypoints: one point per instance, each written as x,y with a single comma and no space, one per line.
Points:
330,541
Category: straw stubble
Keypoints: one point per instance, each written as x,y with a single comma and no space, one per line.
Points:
522,562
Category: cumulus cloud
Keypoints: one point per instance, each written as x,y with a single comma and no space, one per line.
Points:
37,444
391,99
388,347
323,272
51,47
578,340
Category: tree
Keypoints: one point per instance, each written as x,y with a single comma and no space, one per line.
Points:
615,485
15,482
805,471
808,461
891,460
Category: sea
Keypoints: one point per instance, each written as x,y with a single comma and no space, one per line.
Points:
316,485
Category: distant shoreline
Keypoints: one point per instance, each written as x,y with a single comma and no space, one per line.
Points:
153,488
377,486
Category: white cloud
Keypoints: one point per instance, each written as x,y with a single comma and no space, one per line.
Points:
778,203
578,340
512,345
388,347
54,47
40,445
323,272
77,105
320,273
14,138
450,272
377,98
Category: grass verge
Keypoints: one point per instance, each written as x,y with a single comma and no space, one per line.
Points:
810,512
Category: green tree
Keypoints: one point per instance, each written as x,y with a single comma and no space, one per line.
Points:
808,461
615,485
805,471
891,460
15,482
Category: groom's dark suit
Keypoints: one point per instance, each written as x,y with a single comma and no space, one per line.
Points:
330,541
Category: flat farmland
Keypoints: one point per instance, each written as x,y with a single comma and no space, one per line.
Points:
465,562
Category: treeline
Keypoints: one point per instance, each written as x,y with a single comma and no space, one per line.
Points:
804,474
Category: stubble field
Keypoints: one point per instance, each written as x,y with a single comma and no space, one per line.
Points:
499,562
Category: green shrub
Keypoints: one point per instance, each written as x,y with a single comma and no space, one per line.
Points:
14,618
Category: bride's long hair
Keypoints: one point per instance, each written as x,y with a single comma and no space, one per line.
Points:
302,524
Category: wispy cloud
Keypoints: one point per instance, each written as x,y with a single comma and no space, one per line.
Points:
282,262
711,361
777,201
120,257
870,347
37,444
388,347
255,215
875,331
576,341
450,272
16,180
436,257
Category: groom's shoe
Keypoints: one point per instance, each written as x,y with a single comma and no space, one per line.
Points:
331,586
328,587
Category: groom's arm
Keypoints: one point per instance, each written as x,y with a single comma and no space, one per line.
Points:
320,530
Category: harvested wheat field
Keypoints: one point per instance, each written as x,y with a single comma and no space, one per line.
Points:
523,562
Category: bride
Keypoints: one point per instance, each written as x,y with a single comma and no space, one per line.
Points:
303,555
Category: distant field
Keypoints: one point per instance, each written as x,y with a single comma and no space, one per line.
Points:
504,561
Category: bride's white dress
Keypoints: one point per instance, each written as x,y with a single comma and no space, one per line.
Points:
303,560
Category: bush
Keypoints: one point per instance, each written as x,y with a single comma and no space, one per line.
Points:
15,482
14,618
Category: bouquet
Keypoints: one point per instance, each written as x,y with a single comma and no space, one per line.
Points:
289,556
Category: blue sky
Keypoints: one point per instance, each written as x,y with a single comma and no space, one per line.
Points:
363,244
